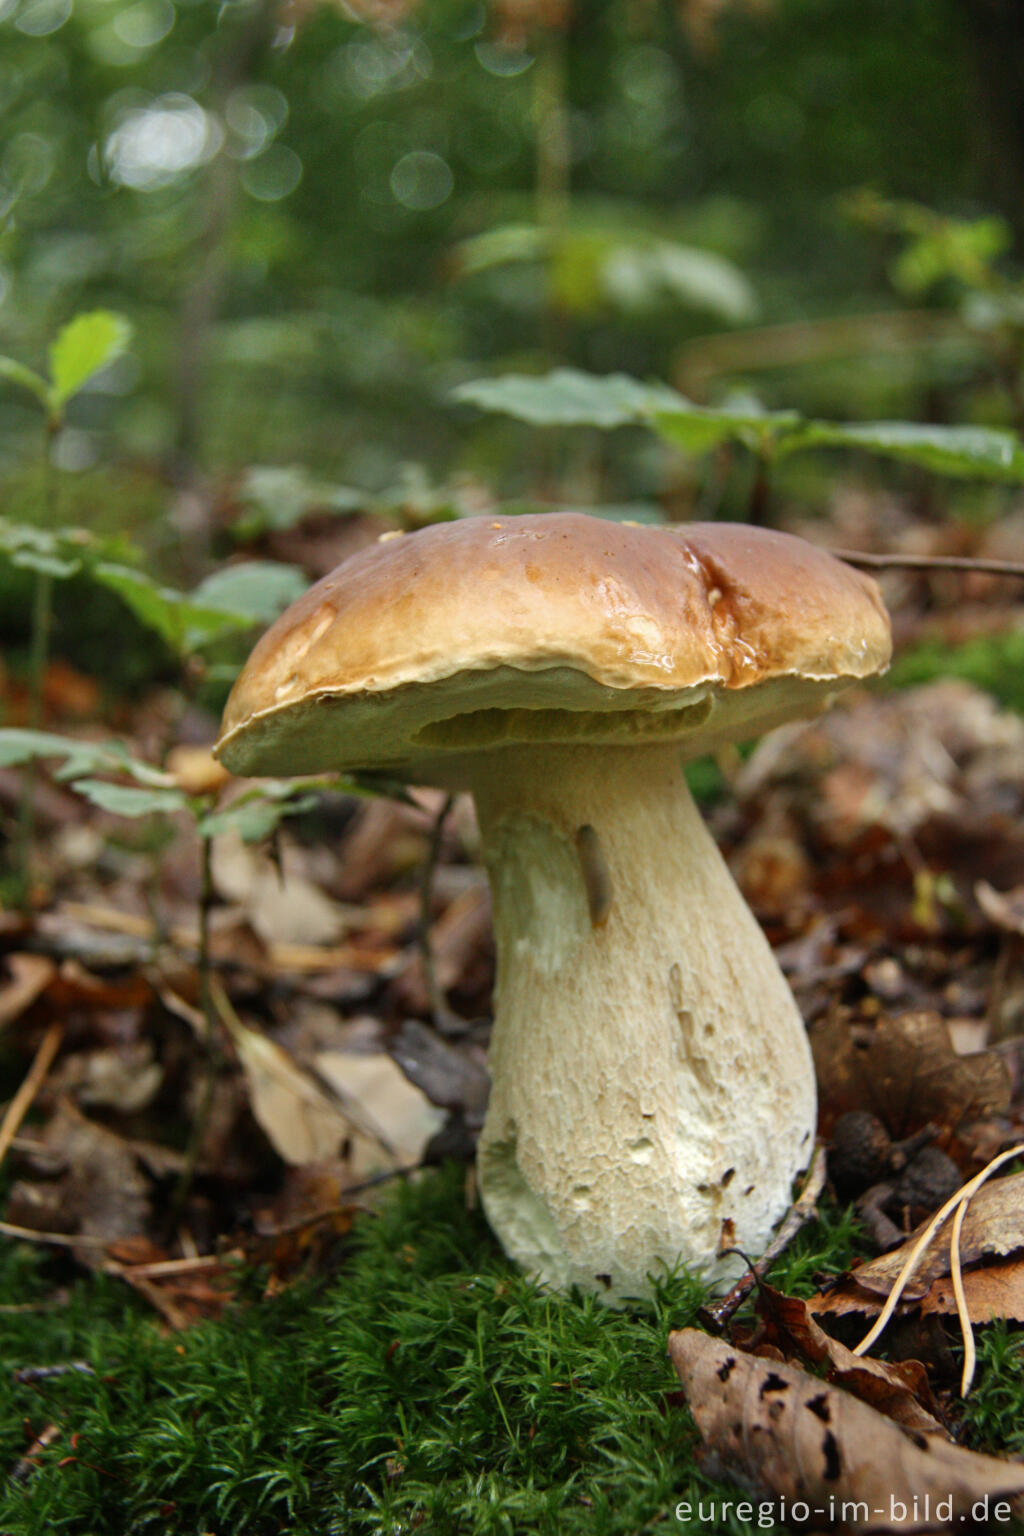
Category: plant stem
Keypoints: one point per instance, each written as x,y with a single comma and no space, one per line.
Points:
440,1013
39,656
201,1116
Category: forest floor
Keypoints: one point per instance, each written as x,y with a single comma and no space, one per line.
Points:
244,1283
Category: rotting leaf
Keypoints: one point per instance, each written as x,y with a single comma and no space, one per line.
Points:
993,1227
299,1119
994,1291
899,1390
1003,908
843,1465
906,1071
29,976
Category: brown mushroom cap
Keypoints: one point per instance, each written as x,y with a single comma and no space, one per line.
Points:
428,647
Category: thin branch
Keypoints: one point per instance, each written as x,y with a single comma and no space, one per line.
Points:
931,563
956,1274
800,1212
36,1076
439,1011
56,1239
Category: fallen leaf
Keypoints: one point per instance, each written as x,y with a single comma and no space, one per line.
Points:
899,1390
281,904
450,1077
906,1071
101,1192
992,1292
825,1458
993,1228
195,770
302,1123
397,1113
29,975
1004,909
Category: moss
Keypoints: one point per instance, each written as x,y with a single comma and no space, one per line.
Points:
427,1387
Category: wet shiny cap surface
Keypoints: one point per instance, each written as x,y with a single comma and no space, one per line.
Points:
469,635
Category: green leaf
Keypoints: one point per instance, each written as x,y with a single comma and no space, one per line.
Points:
128,800
185,624
85,345
79,758
981,453
699,429
36,549
498,247
255,818
21,746
567,397
635,276
260,589
25,378
280,496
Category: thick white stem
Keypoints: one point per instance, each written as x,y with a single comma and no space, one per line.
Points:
653,1092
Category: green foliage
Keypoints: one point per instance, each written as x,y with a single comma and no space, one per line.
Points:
593,265
80,350
430,1384
277,497
237,598
994,1412
255,815
936,248
567,397
992,662
79,759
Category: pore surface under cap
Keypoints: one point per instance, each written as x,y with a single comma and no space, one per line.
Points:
555,627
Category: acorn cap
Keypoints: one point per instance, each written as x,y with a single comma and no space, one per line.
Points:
427,648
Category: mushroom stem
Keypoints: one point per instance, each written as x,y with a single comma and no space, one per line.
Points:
652,1087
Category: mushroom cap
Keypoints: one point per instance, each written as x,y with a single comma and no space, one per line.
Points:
428,648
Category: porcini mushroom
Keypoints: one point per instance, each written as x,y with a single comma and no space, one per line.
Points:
652,1089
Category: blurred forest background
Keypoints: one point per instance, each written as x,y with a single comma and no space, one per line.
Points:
321,217
296,238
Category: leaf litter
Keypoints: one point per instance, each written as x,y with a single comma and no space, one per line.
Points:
880,845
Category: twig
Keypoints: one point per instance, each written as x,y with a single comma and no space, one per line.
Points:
800,1212
22,1101
439,1010
162,1269
28,1374
962,1196
201,1114
931,563
26,1465
57,1239
957,1276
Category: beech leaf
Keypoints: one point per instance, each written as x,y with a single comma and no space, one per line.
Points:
827,1459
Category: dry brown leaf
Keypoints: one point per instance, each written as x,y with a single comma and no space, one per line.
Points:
29,975
826,1459
397,1113
994,1224
195,770
900,1390
993,1228
995,1291
101,1192
906,1071
1003,908
302,1123
282,906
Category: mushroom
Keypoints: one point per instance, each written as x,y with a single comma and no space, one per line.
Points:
652,1088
